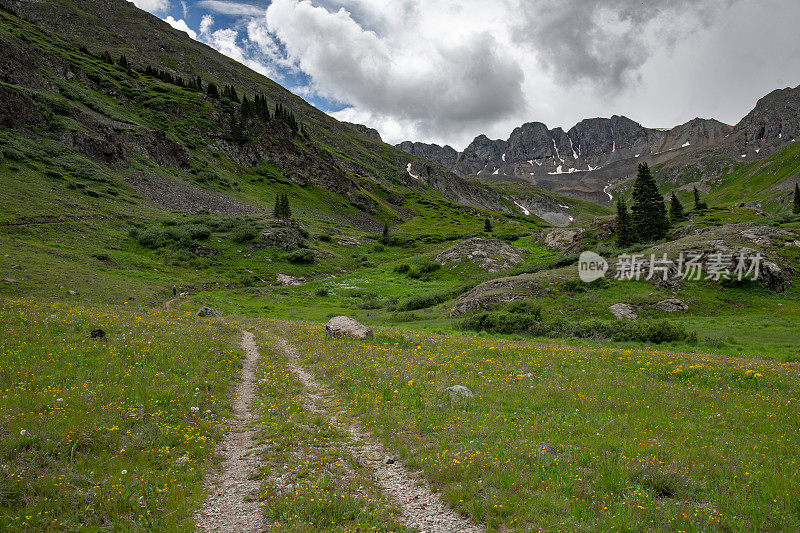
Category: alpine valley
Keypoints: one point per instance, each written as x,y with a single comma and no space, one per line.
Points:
223,309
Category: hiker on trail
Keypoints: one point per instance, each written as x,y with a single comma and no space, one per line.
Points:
174,290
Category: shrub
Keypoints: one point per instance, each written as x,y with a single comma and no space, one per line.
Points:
402,269
576,285
655,331
322,292
525,307
423,268
509,236
325,237
423,301
151,238
244,232
197,231
500,322
13,154
302,256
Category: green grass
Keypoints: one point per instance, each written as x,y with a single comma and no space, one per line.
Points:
645,440
92,429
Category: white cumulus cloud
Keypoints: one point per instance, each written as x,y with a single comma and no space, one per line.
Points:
181,25
393,74
153,6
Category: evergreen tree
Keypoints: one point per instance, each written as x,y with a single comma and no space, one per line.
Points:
212,91
487,225
675,210
385,235
699,205
286,212
106,56
649,215
796,208
278,205
123,63
247,110
237,129
624,226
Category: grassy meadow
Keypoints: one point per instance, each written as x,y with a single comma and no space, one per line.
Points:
635,439
113,433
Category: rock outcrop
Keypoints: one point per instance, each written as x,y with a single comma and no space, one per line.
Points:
623,311
443,155
372,133
287,238
491,255
671,305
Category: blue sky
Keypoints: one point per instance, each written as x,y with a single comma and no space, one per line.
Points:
445,71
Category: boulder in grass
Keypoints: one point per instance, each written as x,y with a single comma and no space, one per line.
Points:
339,326
623,311
460,390
208,311
672,305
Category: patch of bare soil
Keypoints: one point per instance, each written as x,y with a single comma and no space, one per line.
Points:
229,506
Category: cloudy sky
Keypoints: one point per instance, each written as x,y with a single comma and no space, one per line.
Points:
445,71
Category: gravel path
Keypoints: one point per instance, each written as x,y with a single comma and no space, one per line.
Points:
226,508
421,508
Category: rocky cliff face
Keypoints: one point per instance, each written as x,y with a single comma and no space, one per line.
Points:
771,124
443,155
372,133
452,186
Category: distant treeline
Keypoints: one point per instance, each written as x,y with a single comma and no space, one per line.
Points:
256,108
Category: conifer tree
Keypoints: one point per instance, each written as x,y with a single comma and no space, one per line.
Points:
699,205
796,208
276,212
286,212
487,225
123,63
675,210
649,213
212,91
624,226
385,235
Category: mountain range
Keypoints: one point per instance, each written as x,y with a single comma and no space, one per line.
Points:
594,155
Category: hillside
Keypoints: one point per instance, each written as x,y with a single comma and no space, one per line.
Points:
114,115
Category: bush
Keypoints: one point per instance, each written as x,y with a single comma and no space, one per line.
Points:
576,285
322,292
655,331
500,322
402,269
13,154
244,232
152,238
525,307
423,301
302,256
197,231
325,237
509,236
